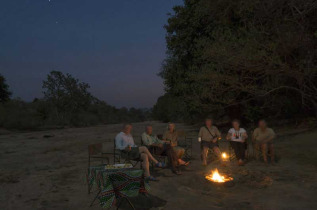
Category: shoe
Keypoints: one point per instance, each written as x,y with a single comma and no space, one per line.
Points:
160,165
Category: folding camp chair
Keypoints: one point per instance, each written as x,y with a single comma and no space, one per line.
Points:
186,143
117,158
95,153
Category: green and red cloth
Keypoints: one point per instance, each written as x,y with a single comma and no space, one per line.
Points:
114,184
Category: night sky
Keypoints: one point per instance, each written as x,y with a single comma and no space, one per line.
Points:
115,46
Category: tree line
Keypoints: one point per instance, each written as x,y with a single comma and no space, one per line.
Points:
240,59
66,102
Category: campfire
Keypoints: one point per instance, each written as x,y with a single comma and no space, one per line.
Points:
216,177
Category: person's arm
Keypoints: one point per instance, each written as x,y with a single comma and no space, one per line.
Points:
200,134
120,143
244,135
270,137
133,144
164,136
229,135
158,141
145,140
164,139
218,135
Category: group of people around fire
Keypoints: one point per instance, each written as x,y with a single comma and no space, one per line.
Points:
208,136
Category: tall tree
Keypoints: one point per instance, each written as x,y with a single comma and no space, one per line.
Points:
257,56
67,94
4,90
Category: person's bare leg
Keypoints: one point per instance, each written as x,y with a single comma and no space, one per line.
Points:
181,153
271,148
145,164
257,151
147,152
217,152
264,152
204,154
178,153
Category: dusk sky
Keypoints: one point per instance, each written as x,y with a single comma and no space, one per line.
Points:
115,46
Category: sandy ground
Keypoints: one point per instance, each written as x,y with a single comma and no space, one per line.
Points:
47,169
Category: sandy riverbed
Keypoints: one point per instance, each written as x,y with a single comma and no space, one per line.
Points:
47,169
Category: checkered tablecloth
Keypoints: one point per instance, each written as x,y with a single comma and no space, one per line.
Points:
114,184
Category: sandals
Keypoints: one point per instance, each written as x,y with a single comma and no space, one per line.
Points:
151,178
185,164
160,165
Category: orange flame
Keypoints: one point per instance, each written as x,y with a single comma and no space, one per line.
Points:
216,177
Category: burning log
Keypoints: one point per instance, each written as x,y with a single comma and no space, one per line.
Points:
216,177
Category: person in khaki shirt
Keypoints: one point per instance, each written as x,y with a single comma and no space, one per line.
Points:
171,137
159,147
262,139
208,136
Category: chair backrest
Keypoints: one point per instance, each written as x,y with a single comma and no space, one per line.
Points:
142,143
181,133
94,149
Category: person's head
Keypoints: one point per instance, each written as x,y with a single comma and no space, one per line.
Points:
127,128
236,124
262,124
149,129
171,127
208,122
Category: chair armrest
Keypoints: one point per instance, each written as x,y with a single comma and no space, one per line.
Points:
109,153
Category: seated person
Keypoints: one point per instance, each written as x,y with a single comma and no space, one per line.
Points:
262,139
125,143
237,137
208,136
161,148
171,137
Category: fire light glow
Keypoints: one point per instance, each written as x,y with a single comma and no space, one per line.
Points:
216,177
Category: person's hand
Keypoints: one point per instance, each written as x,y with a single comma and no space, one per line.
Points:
128,148
214,140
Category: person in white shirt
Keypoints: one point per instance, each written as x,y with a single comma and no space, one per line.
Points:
237,137
125,143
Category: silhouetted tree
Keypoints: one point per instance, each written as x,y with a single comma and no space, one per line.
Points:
4,90
67,94
258,57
